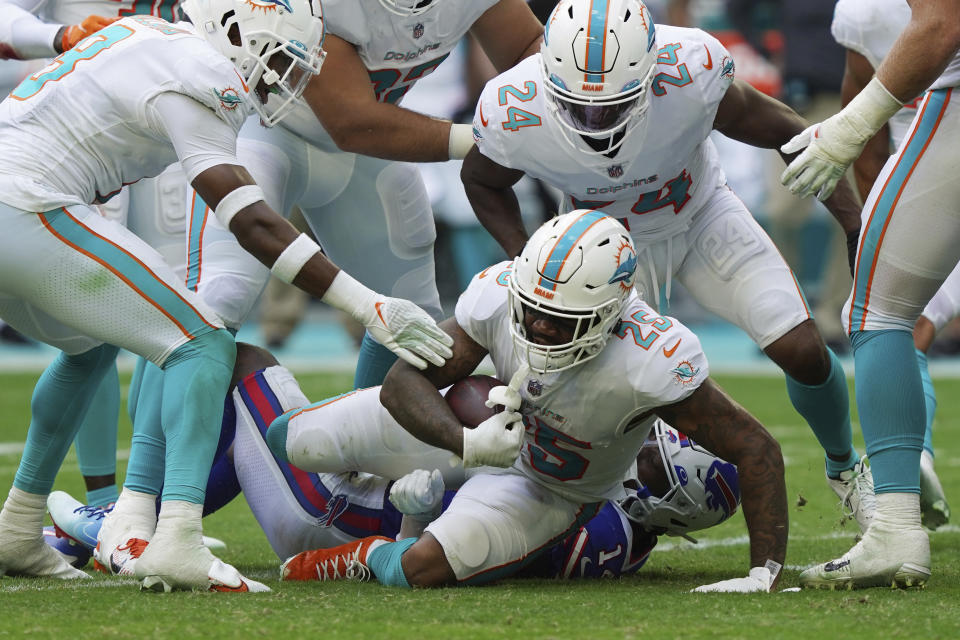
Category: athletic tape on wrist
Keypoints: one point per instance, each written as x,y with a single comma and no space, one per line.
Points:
233,202
460,141
291,261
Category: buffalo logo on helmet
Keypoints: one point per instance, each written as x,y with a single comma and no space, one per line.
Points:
615,171
418,30
626,266
722,487
684,372
229,98
270,5
336,506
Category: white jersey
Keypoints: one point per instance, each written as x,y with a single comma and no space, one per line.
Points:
78,130
666,168
870,27
397,51
585,425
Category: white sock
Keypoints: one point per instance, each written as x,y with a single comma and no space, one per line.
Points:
897,510
23,512
180,520
138,508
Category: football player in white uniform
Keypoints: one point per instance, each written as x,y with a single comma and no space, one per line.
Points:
616,111
908,246
585,389
867,30
370,213
683,488
82,283
43,29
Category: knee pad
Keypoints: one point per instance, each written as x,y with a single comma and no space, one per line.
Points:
407,209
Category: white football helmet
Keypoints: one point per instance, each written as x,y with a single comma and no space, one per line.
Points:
703,490
598,59
409,7
276,41
577,270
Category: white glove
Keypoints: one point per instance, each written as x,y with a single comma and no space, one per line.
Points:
505,396
495,442
419,494
399,325
832,145
758,581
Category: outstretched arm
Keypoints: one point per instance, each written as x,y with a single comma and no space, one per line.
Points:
717,422
920,54
754,118
489,188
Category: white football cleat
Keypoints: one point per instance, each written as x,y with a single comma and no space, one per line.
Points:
165,567
855,490
177,560
30,556
934,510
120,543
23,551
885,557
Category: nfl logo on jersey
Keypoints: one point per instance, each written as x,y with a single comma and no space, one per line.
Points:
418,30
615,171
535,387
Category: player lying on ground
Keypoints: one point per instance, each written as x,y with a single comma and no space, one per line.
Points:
683,488
565,326
67,271
630,137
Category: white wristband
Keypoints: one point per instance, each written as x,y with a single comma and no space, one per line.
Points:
233,202
292,259
348,295
460,142
872,107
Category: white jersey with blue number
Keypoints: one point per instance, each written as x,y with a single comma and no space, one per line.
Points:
585,425
78,130
870,27
397,51
666,168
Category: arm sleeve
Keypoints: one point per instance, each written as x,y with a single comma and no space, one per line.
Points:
200,138
25,33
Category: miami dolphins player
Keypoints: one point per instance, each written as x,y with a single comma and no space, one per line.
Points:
683,489
82,283
907,249
43,29
563,324
867,30
615,112
336,156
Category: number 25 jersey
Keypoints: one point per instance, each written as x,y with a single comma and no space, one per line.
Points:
585,425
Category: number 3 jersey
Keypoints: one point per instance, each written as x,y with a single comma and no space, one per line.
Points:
396,50
79,129
585,425
666,168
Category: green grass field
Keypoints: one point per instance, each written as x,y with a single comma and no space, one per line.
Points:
653,604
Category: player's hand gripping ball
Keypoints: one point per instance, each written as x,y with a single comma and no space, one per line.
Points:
467,398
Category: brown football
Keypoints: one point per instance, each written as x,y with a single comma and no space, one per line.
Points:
467,397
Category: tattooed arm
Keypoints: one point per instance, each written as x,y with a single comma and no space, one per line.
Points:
412,398
717,422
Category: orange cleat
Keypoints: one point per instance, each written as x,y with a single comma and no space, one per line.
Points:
346,562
